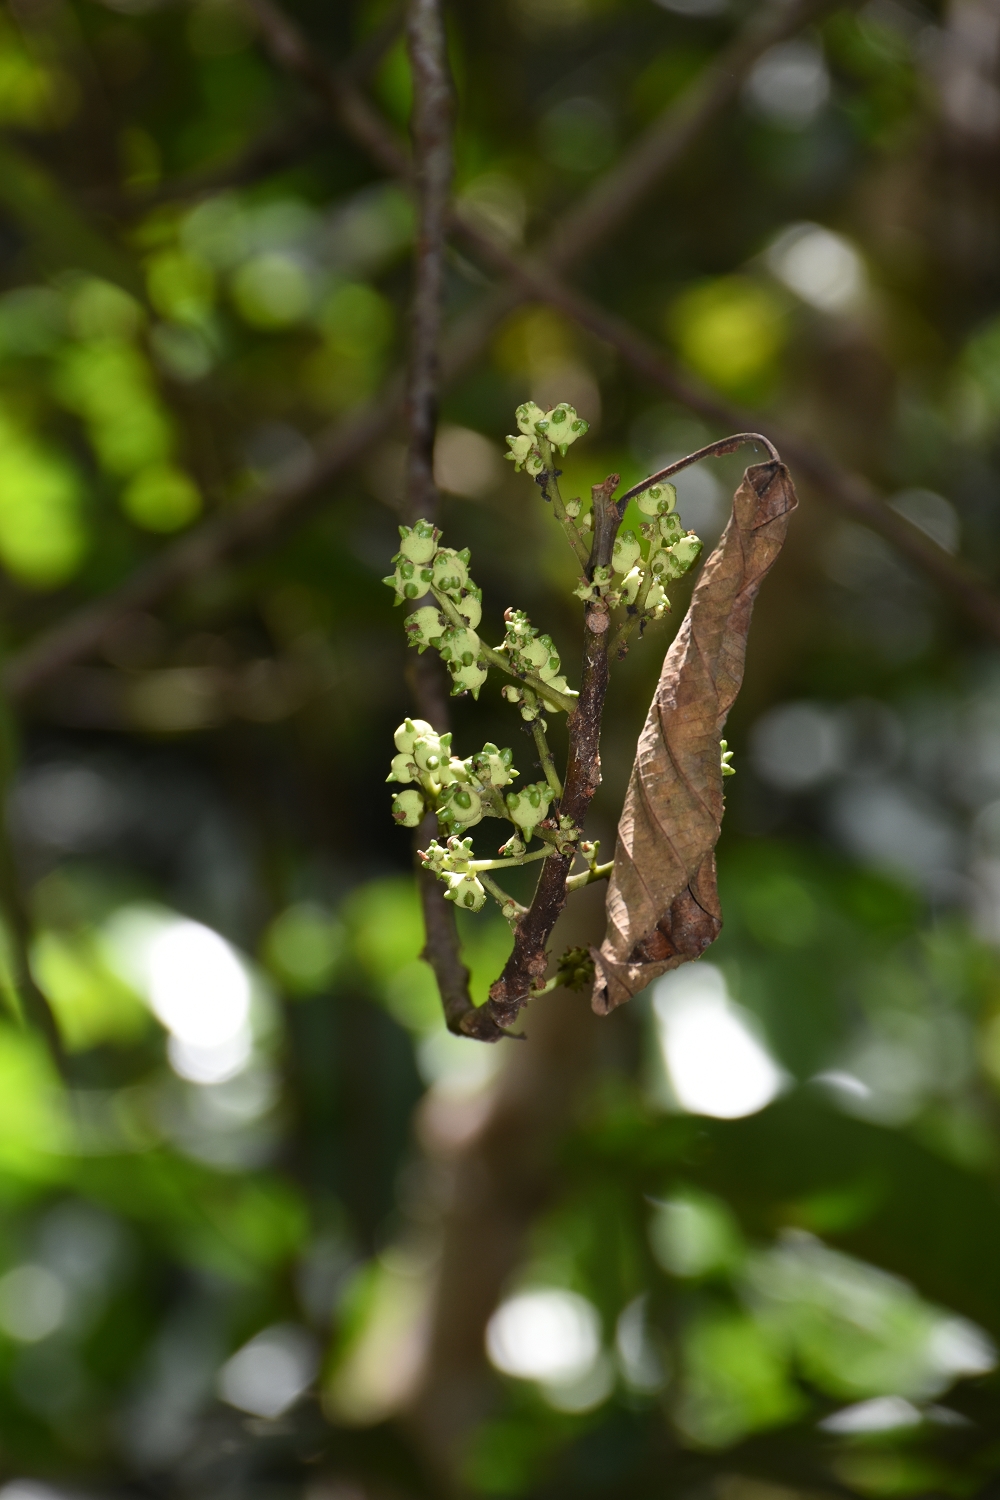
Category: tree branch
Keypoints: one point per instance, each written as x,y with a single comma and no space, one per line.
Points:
431,128
525,968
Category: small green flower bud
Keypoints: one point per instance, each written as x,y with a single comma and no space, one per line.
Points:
460,645
657,603
669,526
511,693
562,426
470,607
408,808
427,752
658,500
465,890
526,417
533,653
419,542
727,768
520,447
529,806
492,767
534,463
687,551
424,627
409,732
450,573
626,552
402,769
514,847
573,508
434,857
467,679
462,807
630,586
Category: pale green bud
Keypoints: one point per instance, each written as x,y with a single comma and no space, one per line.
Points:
470,607
465,890
686,551
463,807
424,627
658,500
460,645
434,857
467,679
533,652
657,603
410,580
493,767
409,732
529,806
408,808
514,847
727,755
669,526
402,769
562,426
630,586
419,542
450,573
460,770
526,416
534,463
511,693
626,552
428,752
520,447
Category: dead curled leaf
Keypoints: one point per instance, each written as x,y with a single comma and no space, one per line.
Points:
663,903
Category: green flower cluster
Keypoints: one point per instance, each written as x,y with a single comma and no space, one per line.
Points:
645,567
461,792
451,863
534,654
561,426
422,567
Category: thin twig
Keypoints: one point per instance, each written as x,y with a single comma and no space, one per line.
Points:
711,450
431,125
588,877
506,902
431,129
545,759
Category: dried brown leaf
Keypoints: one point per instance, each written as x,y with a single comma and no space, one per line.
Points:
663,904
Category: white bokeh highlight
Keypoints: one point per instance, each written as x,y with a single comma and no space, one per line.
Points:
33,1303
715,1063
197,986
547,1335
821,267
269,1374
